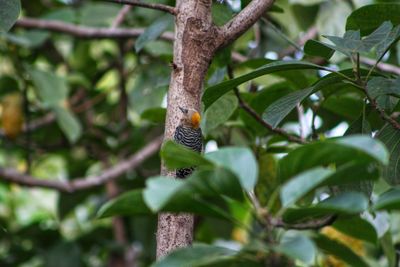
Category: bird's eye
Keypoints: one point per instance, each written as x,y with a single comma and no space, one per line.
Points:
184,110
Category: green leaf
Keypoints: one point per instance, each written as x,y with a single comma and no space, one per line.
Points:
240,161
388,248
9,12
276,112
297,247
177,156
160,190
349,44
129,203
153,31
352,172
390,200
356,148
300,185
390,137
386,43
197,194
367,145
213,93
219,112
197,255
318,49
156,115
221,14
68,123
380,35
344,203
357,228
51,89
97,14
29,39
369,17
215,182
379,86
339,250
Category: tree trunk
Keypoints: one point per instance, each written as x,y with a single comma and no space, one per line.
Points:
193,50
196,40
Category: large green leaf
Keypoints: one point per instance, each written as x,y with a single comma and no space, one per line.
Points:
50,88
297,247
390,200
9,12
153,31
68,123
355,148
276,112
319,49
391,138
129,203
357,227
344,203
219,112
339,250
193,194
213,93
177,156
303,183
197,255
378,86
370,17
240,161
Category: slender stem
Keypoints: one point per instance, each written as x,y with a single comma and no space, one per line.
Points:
160,7
376,63
73,185
257,117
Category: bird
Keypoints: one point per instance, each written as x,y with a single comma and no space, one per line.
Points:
188,133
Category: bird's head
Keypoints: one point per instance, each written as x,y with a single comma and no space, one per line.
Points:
191,118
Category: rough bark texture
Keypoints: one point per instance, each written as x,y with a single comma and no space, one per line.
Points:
193,50
196,40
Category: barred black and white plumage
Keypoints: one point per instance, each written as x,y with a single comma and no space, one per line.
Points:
191,138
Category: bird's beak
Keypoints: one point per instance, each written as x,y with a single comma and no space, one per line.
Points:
185,111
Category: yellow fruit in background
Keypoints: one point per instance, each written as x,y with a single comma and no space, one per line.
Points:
12,116
354,244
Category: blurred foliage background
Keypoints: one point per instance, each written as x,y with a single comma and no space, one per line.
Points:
73,106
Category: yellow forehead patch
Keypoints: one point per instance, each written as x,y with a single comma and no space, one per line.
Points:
196,119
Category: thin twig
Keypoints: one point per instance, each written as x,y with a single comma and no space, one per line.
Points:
257,117
380,111
83,31
161,7
121,16
73,185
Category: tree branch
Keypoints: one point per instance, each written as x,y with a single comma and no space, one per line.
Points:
121,16
257,117
83,31
312,224
243,21
13,176
160,7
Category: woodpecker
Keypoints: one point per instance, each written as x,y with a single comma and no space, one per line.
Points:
188,133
